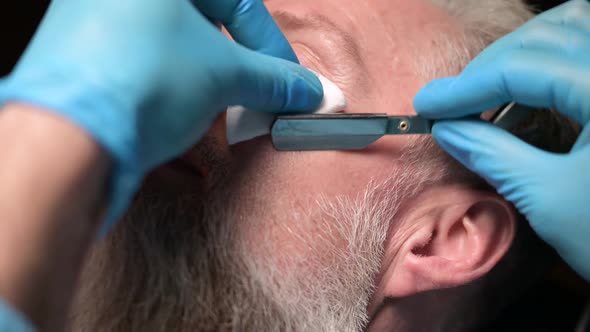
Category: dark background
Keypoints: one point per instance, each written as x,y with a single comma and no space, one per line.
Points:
19,19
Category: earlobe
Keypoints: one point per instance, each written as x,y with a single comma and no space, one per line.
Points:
458,240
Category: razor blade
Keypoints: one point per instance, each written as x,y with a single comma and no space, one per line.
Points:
341,131
345,131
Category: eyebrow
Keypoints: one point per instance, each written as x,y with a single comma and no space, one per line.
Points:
346,43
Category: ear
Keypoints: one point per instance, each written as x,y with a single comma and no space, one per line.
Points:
460,235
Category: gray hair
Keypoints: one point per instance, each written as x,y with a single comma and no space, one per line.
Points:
482,23
487,21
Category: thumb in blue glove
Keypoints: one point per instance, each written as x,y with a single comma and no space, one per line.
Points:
544,64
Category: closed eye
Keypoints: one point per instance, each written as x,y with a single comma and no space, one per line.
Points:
322,45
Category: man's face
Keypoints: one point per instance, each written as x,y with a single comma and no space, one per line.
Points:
301,234
369,49
301,211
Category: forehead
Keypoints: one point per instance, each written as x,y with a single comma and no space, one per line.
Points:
383,29
389,34
393,15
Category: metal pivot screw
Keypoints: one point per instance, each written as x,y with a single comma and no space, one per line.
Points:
404,125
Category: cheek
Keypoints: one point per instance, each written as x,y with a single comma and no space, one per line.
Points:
330,174
285,180
280,214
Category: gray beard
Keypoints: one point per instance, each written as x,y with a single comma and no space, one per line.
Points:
165,269
177,263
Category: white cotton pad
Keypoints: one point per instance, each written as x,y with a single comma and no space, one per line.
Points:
243,124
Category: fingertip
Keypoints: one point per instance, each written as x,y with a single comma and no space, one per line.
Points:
450,137
469,142
484,148
268,84
469,134
305,91
475,143
431,99
311,79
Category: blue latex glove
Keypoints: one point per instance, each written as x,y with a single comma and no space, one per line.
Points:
13,321
147,78
545,63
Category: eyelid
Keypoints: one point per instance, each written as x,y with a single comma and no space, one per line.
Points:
335,66
307,55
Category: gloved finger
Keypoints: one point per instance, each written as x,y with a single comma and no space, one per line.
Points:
250,24
523,174
583,140
575,13
502,159
213,21
553,36
265,83
529,77
539,184
540,36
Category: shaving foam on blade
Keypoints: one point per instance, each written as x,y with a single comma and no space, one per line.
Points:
243,124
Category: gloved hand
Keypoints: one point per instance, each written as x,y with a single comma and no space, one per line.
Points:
545,63
147,78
